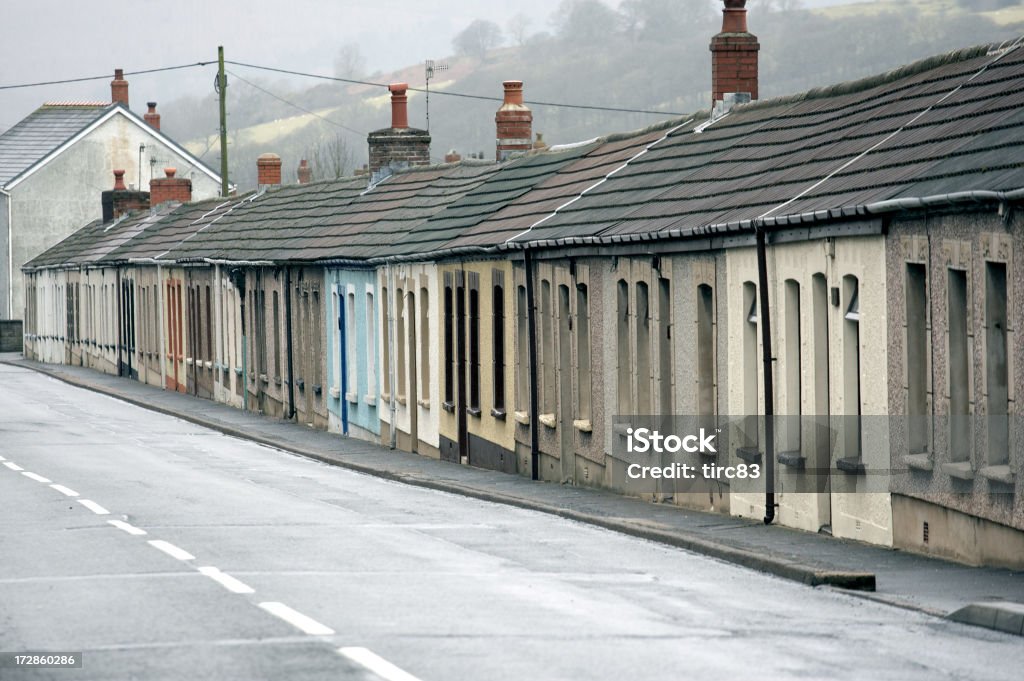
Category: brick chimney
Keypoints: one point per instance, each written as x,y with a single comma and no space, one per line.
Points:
268,170
151,116
733,55
120,200
119,88
514,121
304,172
398,146
452,157
170,188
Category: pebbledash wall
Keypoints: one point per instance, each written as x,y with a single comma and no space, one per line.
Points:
886,317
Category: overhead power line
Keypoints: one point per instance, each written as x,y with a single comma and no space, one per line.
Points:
293,104
449,93
105,76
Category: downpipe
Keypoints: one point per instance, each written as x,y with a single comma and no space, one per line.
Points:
766,348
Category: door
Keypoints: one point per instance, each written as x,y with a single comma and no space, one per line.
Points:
412,373
567,446
822,465
461,403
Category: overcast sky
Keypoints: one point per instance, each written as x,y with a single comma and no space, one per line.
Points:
57,39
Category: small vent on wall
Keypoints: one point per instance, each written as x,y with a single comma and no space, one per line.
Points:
924,531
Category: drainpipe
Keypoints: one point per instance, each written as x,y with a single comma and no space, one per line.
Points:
531,332
343,348
392,371
288,339
766,350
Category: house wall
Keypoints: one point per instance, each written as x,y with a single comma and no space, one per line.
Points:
353,296
416,410
63,194
858,502
980,487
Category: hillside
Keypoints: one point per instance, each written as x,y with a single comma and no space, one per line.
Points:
654,61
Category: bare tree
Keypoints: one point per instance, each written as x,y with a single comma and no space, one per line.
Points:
518,27
349,62
478,38
330,158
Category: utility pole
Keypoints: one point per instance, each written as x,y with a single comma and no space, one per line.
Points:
222,88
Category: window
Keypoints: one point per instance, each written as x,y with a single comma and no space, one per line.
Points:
276,305
209,325
917,355
351,363
371,347
522,351
643,350
819,302
851,368
547,361
665,374
498,339
959,384
751,426
794,391
336,347
400,342
705,353
385,343
996,368
474,343
424,342
316,329
449,341
583,377
624,394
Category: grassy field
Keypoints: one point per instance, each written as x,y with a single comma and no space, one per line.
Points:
1004,17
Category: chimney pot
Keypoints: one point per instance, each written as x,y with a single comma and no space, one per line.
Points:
305,173
268,169
119,180
119,88
151,116
399,106
169,172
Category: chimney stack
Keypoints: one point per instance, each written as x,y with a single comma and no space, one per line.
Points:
304,172
120,200
151,116
119,88
733,55
268,170
399,146
514,122
170,188
452,157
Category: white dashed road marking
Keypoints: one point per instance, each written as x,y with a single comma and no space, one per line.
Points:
66,491
377,664
36,477
94,507
227,581
13,466
130,529
171,550
297,619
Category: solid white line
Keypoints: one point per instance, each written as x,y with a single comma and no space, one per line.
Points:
297,619
377,664
66,491
94,507
13,466
36,477
227,581
171,550
130,529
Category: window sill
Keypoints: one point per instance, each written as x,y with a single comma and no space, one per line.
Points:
209,365
548,420
263,379
277,380
424,403
521,417
961,470
370,399
498,414
852,465
349,397
448,406
793,460
188,361
918,462
621,428
1001,474
318,390
583,425
749,454
386,397
401,399
474,411
300,384
238,371
335,393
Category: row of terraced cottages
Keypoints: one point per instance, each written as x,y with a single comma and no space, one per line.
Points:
517,315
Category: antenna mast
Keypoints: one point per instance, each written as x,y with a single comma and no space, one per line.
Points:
431,67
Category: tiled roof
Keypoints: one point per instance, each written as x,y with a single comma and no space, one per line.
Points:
957,126
42,131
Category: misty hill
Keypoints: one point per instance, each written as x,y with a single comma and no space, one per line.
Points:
647,54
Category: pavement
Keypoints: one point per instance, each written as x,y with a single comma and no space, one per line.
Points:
988,597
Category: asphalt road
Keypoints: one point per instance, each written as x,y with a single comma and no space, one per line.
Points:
200,556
